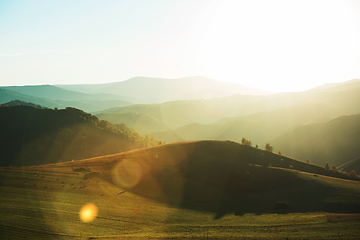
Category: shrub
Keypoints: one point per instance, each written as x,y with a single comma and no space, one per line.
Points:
246,142
352,174
333,168
268,147
327,167
307,161
280,153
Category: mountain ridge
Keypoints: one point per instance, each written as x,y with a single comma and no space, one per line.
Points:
162,89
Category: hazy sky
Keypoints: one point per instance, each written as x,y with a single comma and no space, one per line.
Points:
272,45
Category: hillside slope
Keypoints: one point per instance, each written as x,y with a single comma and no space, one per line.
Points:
223,177
351,165
31,136
333,142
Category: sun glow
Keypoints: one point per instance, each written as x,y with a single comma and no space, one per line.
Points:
88,212
279,45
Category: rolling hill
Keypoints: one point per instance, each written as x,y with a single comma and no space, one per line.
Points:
177,114
259,127
333,142
223,177
190,190
36,135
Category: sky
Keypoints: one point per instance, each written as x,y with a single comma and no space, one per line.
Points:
275,45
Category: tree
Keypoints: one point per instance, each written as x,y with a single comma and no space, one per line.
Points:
307,161
103,124
280,153
327,167
257,146
246,142
352,174
268,147
333,168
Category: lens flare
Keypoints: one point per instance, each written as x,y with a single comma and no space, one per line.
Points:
88,212
127,173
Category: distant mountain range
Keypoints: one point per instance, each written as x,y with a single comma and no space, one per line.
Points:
98,97
156,90
81,101
57,93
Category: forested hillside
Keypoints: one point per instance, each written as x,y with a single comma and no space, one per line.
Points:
36,135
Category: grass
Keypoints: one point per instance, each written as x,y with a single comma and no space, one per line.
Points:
43,202
36,212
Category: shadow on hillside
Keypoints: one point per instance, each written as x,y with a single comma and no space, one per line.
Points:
231,179
239,189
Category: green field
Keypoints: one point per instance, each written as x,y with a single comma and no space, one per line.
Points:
45,205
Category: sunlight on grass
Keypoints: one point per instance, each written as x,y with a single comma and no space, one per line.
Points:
88,212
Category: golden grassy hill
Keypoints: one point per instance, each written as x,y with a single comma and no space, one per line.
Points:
222,177
152,193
